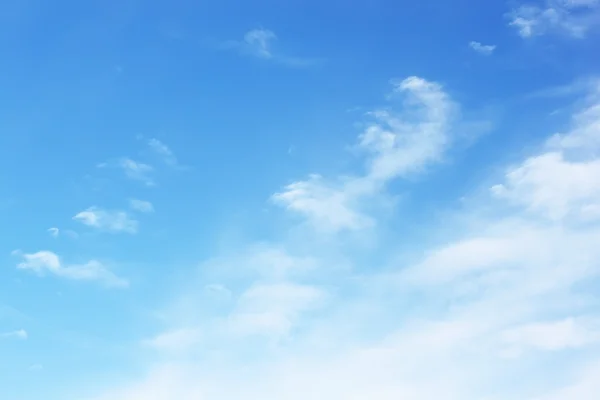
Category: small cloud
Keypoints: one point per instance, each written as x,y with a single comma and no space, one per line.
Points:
141,205
163,151
259,43
484,49
47,262
107,220
54,232
19,334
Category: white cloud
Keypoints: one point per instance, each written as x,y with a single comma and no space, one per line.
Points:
47,262
107,220
397,143
163,151
553,186
484,49
54,232
562,181
573,18
141,205
137,171
19,334
509,281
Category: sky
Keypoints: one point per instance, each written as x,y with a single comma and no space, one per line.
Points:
299,200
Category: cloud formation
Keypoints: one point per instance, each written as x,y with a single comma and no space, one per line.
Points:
569,17
47,262
397,142
107,220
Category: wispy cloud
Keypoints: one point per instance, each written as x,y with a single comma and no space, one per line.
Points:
163,151
485,49
396,142
47,262
137,171
107,220
19,334
573,18
132,169
141,205
260,43
54,232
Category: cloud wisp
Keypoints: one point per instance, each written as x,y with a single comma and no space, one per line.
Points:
47,262
260,43
163,151
109,220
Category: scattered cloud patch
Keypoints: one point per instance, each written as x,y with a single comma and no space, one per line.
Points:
47,262
54,232
571,18
485,49
19,334
141,205
107,220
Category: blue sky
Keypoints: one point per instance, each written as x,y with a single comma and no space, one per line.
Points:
300,199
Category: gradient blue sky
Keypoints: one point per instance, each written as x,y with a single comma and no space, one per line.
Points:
299,199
